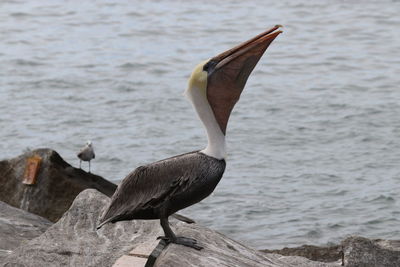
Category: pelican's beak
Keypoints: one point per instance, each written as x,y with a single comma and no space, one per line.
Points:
228,73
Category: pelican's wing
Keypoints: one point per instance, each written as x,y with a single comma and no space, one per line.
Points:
147,187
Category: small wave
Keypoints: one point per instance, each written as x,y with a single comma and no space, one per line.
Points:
20,14
128,86
335,226
87,66
383,198
55,84
338,192
130,65
314,233
113,160
134,14
30,63
160,71
376,221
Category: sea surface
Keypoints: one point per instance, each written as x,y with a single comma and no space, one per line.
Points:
313,143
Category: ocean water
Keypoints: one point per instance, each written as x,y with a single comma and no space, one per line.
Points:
313,144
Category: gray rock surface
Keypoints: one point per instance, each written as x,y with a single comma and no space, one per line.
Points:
18,226
315,253
354,251
220,250
58,183
73,241
364,252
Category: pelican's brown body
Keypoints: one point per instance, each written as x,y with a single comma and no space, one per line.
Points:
173,184
159,189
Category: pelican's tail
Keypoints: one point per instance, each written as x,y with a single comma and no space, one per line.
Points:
103,223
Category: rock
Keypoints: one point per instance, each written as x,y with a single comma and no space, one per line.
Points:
220,250
355,251
58,183
17,226
73,241
364,252
315,253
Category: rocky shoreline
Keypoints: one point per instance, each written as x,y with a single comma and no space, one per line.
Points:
52,223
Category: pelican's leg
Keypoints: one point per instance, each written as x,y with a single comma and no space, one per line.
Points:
80,164
167,230
89,166
170,237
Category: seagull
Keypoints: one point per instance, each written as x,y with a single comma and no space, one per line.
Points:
86,154
158,190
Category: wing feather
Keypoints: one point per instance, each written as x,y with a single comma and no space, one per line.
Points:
147,187
164,187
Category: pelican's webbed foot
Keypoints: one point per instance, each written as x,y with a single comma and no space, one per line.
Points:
181,240
189,242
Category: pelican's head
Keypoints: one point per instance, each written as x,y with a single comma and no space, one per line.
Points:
89,143
221,79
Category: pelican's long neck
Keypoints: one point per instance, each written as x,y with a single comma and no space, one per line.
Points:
216,146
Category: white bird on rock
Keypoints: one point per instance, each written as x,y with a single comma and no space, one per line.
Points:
86,153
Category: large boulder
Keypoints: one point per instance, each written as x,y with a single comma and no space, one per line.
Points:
18,226
364,252
57,184
315,253
73,241
219,250
354,251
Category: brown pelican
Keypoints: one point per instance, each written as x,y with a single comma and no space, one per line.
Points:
86,154
159,189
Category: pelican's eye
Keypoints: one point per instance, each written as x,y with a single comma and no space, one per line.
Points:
209,66
206,66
